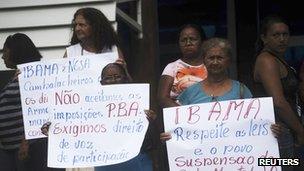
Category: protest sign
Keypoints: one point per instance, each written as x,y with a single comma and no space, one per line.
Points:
221,136
39,81
106,127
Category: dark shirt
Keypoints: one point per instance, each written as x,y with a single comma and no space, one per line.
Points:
289,84
11,122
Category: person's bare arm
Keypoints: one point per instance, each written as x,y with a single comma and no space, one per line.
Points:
268,72
163,93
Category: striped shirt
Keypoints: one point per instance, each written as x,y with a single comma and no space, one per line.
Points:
11,122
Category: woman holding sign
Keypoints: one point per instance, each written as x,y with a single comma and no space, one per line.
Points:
115,73
16,153
274,77
93,34
217,86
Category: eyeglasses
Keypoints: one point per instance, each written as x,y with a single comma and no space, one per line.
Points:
189,41
111,78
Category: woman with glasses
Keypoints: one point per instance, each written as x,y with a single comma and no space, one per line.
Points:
92,34
115,73
274,77
218,86
187,70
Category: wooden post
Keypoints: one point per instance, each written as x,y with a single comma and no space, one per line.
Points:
148,65
148,57
143,63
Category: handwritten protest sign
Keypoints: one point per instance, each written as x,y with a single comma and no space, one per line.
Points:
39,80
221,136
106,127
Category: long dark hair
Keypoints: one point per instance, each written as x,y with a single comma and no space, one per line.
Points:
22,49
265,25
104,35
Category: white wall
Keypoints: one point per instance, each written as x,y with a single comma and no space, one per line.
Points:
46,22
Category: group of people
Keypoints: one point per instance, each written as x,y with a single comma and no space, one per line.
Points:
271,74
198,76
92,34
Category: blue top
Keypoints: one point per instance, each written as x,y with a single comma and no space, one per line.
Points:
195,94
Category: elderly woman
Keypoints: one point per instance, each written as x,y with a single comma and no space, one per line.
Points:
217,86
115,73
92,33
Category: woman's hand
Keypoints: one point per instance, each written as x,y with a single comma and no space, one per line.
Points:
165,136
23,150
276,129
124,65
121,62
151,115
45,128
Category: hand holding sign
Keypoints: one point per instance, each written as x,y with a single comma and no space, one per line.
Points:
227,138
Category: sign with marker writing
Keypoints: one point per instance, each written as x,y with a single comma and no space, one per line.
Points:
106,127
40,80
221,136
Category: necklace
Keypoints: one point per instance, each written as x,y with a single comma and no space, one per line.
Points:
213,98
214,90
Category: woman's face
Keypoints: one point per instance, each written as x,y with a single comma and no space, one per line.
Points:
82,28
112,75
216,60
190,42
277,37
7,59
